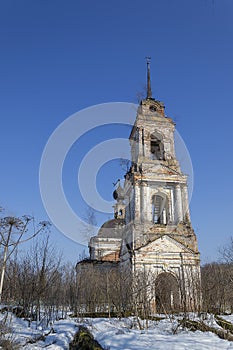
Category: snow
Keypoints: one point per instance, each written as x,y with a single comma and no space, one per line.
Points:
21,333
115,334
228,318
65,330
159,336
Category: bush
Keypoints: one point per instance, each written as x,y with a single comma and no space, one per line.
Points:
83,340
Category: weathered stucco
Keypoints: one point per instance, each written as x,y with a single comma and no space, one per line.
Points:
155,232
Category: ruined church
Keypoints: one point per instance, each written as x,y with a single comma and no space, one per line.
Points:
151,229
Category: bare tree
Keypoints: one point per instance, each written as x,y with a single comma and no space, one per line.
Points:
217,282
226,252
13,231
46,262
91,222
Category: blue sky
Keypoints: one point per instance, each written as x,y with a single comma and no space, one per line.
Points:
58,57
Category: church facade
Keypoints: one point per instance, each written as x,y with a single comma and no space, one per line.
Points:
151,231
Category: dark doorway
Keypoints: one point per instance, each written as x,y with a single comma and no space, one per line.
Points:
167,296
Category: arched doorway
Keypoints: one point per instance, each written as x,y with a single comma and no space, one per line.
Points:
167,296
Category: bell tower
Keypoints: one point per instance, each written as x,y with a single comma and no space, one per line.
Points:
158,235
155,186
151,236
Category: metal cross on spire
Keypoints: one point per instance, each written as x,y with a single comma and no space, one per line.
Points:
148,90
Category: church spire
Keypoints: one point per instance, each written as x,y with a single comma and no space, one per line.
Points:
148,90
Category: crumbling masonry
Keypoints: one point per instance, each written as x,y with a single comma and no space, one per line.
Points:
151,231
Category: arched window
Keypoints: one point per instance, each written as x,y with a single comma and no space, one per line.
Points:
156,147
159,209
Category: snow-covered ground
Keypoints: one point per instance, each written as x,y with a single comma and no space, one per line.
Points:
63,334
115,334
